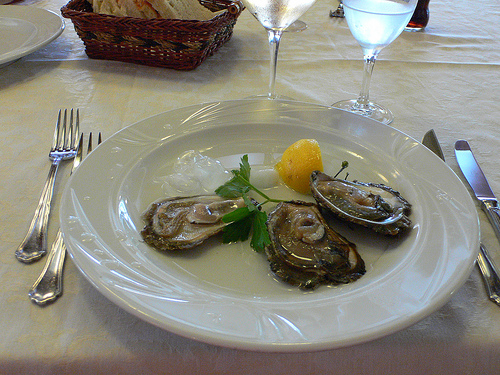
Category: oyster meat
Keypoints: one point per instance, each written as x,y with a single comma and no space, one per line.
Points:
184,222
352,200
305,251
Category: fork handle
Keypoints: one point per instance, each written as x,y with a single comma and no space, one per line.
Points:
48,286
490,276
34,245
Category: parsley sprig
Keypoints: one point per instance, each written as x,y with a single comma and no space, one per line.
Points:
247,219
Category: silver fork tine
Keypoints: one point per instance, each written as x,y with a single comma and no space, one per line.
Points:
89,148
72,139
77,129
78,157
64,143
57,130
68,131
49,284
34,245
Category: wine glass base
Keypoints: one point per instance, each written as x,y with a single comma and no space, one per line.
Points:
372,110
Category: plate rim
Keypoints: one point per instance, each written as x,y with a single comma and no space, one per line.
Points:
14,11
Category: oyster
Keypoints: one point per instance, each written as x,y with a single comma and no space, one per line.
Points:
185,222
373,205
305,251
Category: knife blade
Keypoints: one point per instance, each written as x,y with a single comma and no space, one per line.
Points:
431,142
484,262
477,181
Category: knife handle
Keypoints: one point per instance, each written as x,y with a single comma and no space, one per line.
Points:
490,207
490,276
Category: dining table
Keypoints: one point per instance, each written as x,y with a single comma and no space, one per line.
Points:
445,77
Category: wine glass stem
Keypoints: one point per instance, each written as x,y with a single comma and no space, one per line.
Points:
363,101
274,43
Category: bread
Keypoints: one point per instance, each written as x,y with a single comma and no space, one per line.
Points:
170,9
123,8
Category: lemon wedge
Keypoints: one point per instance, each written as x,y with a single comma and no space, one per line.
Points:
297,163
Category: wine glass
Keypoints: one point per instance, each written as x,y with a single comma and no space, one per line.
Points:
374,24
276,16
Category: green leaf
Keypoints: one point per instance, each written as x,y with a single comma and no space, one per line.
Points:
245,167
234,188
238,214
250,203
260,235
237,230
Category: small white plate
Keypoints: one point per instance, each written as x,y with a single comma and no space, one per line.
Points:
25,29
226,294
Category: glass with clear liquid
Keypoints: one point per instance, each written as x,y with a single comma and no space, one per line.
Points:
374,24
276,16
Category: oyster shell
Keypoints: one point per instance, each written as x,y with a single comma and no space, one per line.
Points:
184,222
355,201
305,251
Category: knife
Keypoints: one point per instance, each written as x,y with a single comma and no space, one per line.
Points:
484,262
431,142
477,181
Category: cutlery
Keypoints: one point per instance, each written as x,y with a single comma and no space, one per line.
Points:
64,147
48,286
431,142
477,181
486,266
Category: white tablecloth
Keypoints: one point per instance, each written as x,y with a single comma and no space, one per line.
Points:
446,78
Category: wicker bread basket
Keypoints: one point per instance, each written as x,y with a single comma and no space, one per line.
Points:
168,43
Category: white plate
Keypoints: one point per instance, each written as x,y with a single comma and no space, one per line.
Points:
225,294
24,29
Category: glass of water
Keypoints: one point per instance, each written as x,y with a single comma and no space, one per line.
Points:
374,24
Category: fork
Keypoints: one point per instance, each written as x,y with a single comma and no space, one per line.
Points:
48,286
64,147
